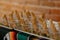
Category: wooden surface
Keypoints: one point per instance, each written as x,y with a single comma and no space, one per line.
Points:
37,6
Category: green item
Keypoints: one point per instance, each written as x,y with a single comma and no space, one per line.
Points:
22,36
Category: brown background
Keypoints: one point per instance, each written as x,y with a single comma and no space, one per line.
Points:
51,8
